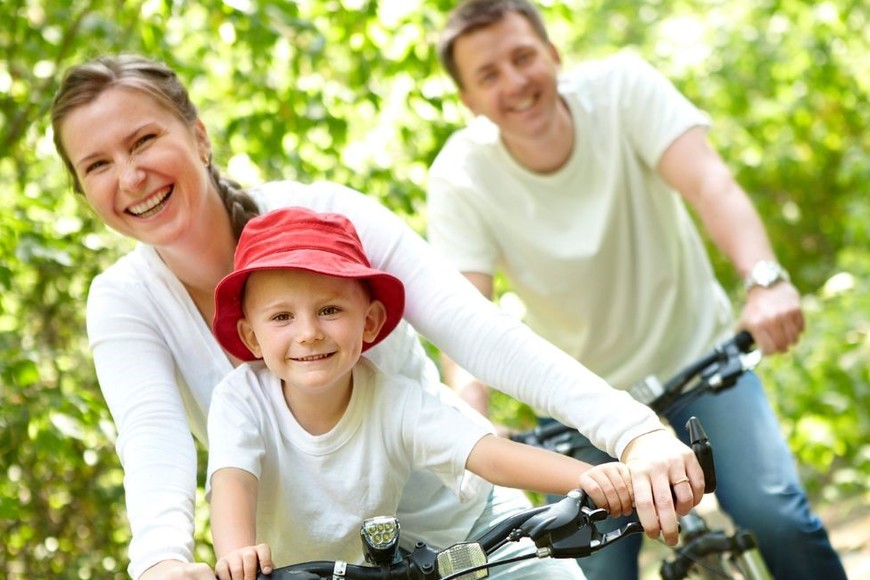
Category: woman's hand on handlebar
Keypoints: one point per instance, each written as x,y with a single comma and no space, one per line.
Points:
178,570
609,486
244,563
666,479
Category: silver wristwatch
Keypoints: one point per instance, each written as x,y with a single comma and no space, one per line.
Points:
765,273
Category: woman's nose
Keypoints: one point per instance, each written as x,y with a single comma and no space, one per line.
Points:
132,175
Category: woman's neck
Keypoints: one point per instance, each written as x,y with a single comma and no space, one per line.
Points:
203,257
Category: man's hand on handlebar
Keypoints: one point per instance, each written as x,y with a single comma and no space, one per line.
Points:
244,563
667,480
773,316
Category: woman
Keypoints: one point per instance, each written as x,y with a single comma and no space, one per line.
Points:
136,149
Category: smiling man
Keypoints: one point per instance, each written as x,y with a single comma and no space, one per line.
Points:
574,186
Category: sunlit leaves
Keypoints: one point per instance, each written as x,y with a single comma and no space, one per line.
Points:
351,90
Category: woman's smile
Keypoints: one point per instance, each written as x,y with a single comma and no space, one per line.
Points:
151,205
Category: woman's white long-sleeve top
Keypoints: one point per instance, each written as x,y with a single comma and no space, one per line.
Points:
157,363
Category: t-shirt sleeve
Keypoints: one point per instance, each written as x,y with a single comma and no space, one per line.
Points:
440,438
654,112
135,370
233,427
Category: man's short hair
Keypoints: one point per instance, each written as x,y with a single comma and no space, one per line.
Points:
473,15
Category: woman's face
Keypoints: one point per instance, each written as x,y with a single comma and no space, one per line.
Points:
142,170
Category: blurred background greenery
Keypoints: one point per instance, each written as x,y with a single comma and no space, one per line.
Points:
350,90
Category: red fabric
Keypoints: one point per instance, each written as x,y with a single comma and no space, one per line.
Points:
299,239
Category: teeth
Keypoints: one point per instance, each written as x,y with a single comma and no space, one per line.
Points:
524,105
313,357
147,206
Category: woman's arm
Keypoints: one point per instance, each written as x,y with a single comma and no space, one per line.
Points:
505,354
137,377
497,349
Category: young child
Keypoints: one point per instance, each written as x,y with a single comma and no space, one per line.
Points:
309,438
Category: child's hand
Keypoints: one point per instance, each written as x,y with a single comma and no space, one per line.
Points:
609,486
244,563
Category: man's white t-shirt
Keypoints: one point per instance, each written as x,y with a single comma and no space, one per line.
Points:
603,253
314,491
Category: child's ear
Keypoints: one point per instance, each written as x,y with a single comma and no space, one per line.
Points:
246,333
376,316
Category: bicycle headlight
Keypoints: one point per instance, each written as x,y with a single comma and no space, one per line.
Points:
380,539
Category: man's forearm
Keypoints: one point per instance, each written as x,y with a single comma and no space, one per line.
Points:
470,390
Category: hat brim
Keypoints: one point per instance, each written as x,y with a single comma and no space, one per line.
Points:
228,295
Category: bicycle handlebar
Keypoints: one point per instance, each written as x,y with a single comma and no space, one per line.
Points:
566,529
717,370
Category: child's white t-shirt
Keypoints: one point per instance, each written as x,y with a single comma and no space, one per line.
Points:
314,491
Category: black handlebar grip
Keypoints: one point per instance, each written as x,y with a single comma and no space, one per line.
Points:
744,341
703,451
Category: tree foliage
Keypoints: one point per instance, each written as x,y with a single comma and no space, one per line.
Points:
350,90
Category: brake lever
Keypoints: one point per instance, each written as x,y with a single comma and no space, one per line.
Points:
608,538
568,529
737,357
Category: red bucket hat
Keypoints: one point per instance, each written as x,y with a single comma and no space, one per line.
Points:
299,239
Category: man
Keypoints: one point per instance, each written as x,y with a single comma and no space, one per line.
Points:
573,187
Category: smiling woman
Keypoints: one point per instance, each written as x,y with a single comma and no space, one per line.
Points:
136,149
132,168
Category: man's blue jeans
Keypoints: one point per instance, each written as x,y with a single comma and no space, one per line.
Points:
758,487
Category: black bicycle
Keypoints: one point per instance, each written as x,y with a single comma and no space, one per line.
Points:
702,552
565,529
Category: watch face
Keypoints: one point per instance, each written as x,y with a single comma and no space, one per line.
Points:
765,274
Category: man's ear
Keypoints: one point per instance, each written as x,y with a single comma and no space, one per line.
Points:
376,316
246,333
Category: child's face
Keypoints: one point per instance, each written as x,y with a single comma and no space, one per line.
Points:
309,328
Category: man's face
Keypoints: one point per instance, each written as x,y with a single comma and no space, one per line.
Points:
509,74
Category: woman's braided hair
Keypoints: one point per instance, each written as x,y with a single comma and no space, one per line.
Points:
83,83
